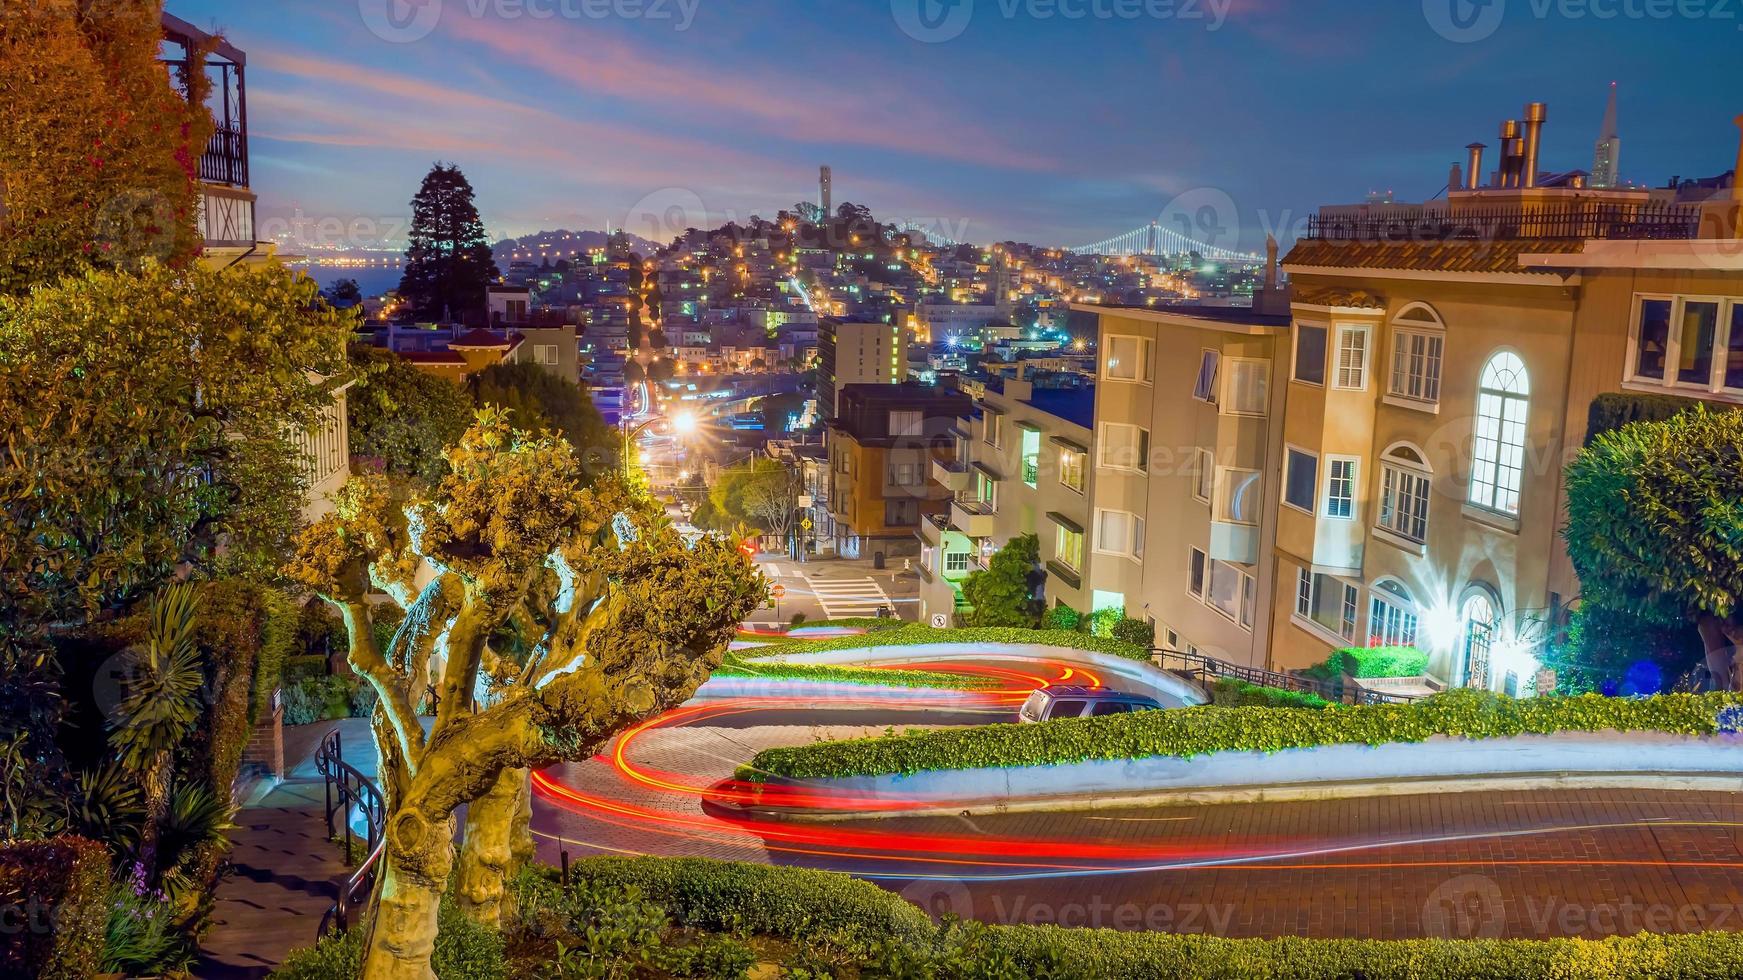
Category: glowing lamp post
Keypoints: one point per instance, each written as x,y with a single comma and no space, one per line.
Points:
682,424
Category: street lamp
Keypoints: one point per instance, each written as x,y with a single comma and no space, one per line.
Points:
682,424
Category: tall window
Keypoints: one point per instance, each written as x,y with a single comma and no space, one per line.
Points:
1340,487
1498,467
1204,475
1125,447
1241,496
907,423
995,429
1031,457
1119,533
1301,479
1310,342
1391,616
1352,357
1249,386
1071,467
1129,358
1204,389
1229,592
1068,547
1404,490
1416,357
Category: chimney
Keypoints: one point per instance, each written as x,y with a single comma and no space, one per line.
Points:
1509,154
1270,262
1474,172
1737,189
1536,114
1455,178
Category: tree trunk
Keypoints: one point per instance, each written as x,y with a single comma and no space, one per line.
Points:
1721,655
520,842
1734,634
155,781
487,853
415,869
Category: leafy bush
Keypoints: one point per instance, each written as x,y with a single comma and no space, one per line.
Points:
1371,663
1190,732
1615,410
142,936
61,886
314,699
465,950
1137,632
832,674
1062,617
1230,693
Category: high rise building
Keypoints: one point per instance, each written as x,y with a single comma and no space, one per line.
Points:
826,188
855,353
1606,159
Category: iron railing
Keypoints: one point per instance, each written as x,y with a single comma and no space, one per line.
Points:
226,158
1201,669
350,791
1585,220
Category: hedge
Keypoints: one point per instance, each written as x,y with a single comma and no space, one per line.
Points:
1231,693
1615,410
54,899
1372,663
868,676
1190,732
913,634
821,908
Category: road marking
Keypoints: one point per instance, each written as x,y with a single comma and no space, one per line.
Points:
849,598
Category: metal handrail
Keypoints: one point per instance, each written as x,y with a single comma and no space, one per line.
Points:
1198,668
347,788
1584,220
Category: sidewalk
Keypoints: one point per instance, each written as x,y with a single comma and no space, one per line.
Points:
285,874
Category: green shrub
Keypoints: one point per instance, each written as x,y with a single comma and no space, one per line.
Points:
1372,663
1230,693
1062,617
465,950
304,703
61,887
141,935
1101,623
1190,732
303,667
1137,632
832,674
1615,410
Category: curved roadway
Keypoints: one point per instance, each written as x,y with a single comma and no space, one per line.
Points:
1517,864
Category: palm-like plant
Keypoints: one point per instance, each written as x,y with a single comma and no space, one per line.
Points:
161,706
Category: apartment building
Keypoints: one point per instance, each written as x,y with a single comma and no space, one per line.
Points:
1188,423
1441,365
1021,465
881,449
859,353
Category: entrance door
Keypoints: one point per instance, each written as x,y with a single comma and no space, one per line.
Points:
1479,618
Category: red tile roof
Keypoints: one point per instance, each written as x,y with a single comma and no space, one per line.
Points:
480,339
1359,299
1449,256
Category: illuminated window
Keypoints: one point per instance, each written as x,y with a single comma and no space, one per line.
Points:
1498,467
1404,491
1031,457
1129,358
1392,619
1688,342
1068,547
1352,372
1072,465
1340,487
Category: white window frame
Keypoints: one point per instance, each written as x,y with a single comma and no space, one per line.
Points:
1204,476
1240,611
950,559
1146,370
1141,441
1672,381
1332,483
547,354
1404,630
1199,558
1134,531
1347,377
1225,479
1208,389
1067,468
1288,452
1491,455
1433,363
1230,404
1295,354
1060,533
1395,471
1304,593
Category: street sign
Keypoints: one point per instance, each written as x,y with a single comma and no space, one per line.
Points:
940,621
779,592
806,524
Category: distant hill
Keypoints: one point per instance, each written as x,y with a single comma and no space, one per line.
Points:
560,244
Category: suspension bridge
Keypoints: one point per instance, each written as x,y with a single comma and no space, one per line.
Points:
1155,239
929,232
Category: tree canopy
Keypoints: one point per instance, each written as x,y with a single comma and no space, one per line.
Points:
402,417
760,492
98,150
449,264
1005,593
1655,523
540,400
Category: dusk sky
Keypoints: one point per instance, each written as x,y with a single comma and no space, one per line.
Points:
1029,126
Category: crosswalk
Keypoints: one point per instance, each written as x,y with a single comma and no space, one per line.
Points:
848,598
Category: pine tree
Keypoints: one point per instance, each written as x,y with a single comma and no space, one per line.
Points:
449,265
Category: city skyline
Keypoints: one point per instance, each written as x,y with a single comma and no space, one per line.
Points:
576,116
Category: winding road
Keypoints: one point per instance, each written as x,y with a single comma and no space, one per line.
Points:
1495,864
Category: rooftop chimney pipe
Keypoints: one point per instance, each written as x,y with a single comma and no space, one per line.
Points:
1509,154
1474,171
1737,174
1536,114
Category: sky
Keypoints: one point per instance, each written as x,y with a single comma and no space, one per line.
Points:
1056,122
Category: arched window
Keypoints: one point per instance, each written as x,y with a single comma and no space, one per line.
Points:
1404,492
1498,467
1392,616
1478,620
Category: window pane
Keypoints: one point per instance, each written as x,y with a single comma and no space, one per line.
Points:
1205,390
1197,572
1700,328
1352,357
1241,492
1302,483
1654,343
1341,489
1249,383
1734,359
1310,354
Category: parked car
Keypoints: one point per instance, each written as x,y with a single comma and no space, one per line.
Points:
1054,703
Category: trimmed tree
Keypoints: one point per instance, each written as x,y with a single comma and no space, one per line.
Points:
403,417
539,399
627,620
1006,592
449,265
1655,519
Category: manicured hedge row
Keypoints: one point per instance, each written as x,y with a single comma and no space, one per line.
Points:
54,900
869,676
1372,663
1230,693
917,635
1190,732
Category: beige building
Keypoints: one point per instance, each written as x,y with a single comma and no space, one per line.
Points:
1021,466
1442,363
852,353
1187,423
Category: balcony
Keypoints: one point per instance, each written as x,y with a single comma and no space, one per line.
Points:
1238,543
1575,221
933,528
952,475
975,518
